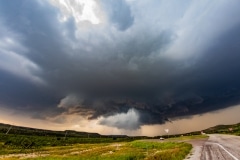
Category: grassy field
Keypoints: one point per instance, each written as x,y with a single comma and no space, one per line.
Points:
224,129
36,144
31,144
186,138
135,150
13,147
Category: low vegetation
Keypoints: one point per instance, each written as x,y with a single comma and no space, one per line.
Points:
186,138
35,144
14,146
225,129
136,150
13,143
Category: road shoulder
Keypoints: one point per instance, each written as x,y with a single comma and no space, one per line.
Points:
196,151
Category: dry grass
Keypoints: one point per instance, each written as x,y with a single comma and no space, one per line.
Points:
137,150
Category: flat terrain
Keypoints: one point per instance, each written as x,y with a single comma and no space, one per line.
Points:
31,143
136,150
217,146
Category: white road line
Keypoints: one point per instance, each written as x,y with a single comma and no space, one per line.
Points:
235,158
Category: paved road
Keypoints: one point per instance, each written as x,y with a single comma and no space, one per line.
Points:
217,147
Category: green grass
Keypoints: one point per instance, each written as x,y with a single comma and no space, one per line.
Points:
165,150
224,129
185,138
11,143
136,150
13,147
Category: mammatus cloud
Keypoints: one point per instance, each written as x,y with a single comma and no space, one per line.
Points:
125,63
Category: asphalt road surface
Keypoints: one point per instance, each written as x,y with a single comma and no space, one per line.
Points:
217,147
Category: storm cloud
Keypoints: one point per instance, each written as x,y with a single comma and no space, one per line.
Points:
127,63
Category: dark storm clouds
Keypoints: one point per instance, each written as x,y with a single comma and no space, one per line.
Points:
161,58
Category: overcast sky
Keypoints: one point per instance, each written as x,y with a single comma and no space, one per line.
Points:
118,64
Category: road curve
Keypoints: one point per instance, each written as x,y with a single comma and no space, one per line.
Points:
217,147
